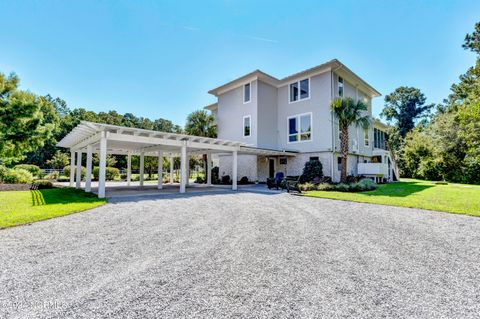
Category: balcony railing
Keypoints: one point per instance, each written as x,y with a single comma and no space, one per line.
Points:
373,169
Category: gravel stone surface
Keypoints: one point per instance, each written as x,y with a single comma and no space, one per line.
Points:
242,255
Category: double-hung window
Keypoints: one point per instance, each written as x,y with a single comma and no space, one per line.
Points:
247,124
246,93
300,128
340,86
365,136
299,90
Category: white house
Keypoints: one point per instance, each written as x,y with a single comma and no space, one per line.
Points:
293,114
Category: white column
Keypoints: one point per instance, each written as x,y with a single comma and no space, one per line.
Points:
72,167
183,168
234,171
88,178
129,168
171,169
142,167
78,177
160,170
209,169
102,165
187,180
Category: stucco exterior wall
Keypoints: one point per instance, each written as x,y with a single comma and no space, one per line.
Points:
246,166
318,104
231,111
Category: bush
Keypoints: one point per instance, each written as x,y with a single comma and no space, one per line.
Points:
306,187
110,173
34,169
3,172
313,169
342,187
226,179
243,180
42,184
63,179
367,184
200,180
325,187
66,171
472,171
215,175
429,169
18,176
53,175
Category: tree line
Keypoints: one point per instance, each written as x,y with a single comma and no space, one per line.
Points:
439,142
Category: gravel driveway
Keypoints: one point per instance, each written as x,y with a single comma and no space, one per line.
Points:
244,255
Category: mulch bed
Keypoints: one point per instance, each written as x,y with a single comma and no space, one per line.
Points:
14,187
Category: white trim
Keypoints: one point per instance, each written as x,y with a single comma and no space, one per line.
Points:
298,116
243,126
299,94
250,93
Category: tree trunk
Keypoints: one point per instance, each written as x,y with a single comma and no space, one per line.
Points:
344,146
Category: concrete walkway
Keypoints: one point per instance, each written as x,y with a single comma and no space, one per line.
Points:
242,255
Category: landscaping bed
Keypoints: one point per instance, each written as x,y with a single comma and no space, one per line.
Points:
14,187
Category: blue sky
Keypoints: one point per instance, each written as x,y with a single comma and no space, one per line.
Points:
159,58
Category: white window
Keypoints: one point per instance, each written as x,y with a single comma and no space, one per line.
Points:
247,124
300,128
340,86
299,90
365,136
246,93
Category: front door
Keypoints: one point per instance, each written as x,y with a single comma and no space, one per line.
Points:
271,167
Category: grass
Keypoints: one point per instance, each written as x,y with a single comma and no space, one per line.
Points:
452,198
23,207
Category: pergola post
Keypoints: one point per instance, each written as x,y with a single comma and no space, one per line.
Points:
88,177
234,170
208,172
72,167
78,177
187,179
183,167
102,165
129,168
171,169
160,170
142,167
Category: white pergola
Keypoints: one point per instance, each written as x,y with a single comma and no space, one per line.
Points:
89,138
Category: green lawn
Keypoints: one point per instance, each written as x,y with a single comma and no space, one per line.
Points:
452,198
22,207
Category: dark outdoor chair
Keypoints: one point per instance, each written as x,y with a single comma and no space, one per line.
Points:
276,181
292,183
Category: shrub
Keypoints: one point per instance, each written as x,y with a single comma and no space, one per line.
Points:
66,171
243,180
110,173
342,187
471,171
34,169
306,187
63,179
429,169
3,172
53,175
215,175
325,187
313,169
42,184
226,179
200,179
367,184
18,176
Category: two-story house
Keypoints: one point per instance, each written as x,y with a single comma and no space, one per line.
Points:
293,115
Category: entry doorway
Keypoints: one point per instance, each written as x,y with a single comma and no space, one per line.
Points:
271,167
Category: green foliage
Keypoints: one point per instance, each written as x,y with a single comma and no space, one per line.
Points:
472,170
17,176
405,105
3,172
312,170
53,175
348,112
429,169
34,169
307,187
201,123
215,175
58,160
110,173
26,120
42,184
66,171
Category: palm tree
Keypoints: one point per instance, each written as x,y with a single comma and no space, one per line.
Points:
200,123
348,112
